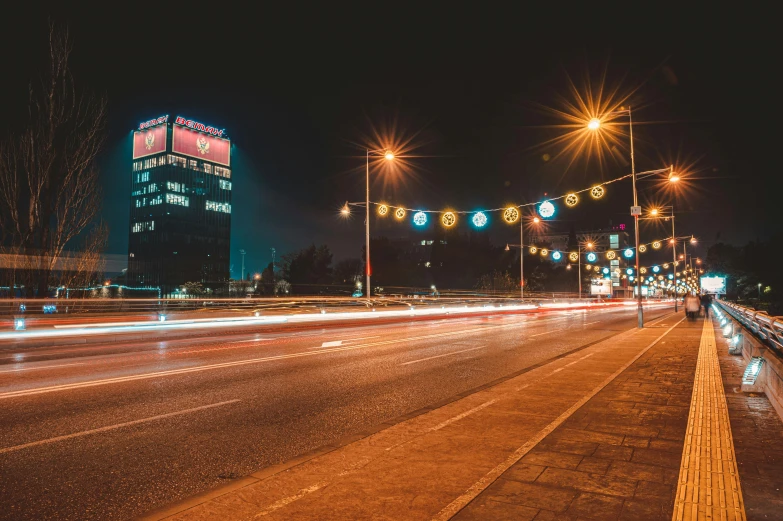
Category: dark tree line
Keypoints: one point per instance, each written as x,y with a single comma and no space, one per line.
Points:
458,261
747,267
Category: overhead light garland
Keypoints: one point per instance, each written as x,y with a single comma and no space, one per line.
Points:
511,214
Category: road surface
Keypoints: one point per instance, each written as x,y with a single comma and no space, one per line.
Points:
113,431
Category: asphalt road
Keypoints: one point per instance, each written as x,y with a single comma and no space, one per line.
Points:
110,432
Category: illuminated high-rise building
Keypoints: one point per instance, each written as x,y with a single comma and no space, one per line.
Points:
180,205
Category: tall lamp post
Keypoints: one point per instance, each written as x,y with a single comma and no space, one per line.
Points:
535,220
389,156
660,213
594,124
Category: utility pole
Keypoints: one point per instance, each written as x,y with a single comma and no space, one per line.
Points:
273,266
242,253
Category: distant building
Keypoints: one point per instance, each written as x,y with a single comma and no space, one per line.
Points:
180,205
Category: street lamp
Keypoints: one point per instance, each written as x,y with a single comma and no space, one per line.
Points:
595,124
534,220
759,285
389,156
656,214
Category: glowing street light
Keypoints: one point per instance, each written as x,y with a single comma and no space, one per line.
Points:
389,156
594,124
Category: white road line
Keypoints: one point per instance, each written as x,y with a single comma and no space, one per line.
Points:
160,374
249,340
545,333
441,356
460,416
333,343
39,367
477,488
112,427
591,323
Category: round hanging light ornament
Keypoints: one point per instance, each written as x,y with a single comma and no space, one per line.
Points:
597,192
571,200
479,219
556,255
448,219
510,215
546,209
533,250
628,253
605,271
642,248
656,269
666,266
591,257
399,213
642,270
573,256
544,252
656,245
383,209
420,218
611,255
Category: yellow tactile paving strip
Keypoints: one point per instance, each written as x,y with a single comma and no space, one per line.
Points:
709,485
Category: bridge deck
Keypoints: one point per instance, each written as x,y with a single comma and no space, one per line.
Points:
637,426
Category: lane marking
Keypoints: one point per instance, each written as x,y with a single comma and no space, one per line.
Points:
112,427
441,356
545,333
290,499
591,323
477,488
170,372
40,367
333,343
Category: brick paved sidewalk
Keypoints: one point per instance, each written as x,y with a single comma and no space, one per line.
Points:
618,457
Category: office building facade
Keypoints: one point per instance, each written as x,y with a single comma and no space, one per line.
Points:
180,206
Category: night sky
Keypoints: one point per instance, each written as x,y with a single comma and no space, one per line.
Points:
298,92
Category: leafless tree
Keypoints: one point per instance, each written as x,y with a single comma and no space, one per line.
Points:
49,190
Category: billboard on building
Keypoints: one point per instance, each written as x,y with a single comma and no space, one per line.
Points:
149,141
201,146
715,285
601,287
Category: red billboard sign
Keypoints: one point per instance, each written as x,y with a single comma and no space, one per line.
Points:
150,141
201,146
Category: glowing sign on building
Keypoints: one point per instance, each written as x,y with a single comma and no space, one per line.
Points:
195,125
153,122
201,146
149,142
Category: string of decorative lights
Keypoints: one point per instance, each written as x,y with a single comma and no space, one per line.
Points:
510,214
612,254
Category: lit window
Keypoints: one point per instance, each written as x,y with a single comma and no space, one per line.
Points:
225,185
177,161
423,243
223,172
193,164
219,207
144,226
175,187
207,168
429,243
142,177
158,199
180,200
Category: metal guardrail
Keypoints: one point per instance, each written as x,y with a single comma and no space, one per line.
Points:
766,328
